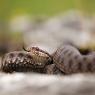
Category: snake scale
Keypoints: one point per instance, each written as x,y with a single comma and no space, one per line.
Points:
67,59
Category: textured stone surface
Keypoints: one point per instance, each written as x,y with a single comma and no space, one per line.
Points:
36,84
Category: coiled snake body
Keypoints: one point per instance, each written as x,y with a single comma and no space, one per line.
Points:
33,59
66,60
70,60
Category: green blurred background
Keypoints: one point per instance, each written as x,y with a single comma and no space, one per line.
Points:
11,8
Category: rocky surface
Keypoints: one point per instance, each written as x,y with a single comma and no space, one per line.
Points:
36,84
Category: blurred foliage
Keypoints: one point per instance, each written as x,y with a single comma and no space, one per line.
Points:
46,7
16,36
35,7
87,6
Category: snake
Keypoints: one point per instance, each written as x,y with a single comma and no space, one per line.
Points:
31,59
70,59
67,59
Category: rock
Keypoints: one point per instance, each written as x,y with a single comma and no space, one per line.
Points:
36,84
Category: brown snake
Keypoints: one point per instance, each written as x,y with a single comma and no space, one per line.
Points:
71,60
66,60
32,59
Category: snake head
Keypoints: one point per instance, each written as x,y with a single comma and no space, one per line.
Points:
39,55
